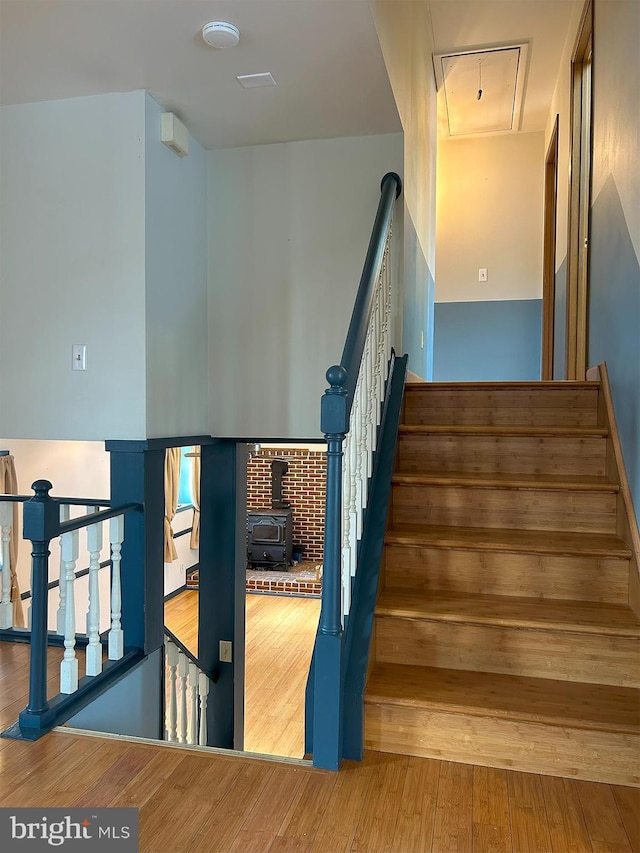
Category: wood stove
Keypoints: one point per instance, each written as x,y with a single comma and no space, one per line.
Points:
269,531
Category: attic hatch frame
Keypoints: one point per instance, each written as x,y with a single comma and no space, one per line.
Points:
522,74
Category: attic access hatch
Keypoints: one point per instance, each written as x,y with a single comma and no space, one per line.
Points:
483,88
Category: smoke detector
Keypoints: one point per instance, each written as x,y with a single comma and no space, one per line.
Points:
220,34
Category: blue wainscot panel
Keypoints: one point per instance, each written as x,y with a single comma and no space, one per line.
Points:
487,341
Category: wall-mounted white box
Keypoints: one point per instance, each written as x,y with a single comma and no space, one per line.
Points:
174,134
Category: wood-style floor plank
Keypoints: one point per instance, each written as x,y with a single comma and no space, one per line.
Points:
567,827
491,824
628,802
306,813
453,830
416,816
529,824
606,830
376,829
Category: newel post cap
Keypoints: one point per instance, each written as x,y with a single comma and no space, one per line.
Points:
333,409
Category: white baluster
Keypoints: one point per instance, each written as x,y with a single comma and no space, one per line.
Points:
346,526
203,692
171,663
353,470
183,672
362,450
193,704
116,636
62,584
69,663
6,607
94,649
388,306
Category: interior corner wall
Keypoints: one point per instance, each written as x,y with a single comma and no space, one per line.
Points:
72,259
614,260
489,215
176,285
289,229
561,107
406,38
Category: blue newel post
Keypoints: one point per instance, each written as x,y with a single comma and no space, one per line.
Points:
41,523
327,716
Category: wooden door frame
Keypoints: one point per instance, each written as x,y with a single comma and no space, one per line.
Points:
549,250
577,285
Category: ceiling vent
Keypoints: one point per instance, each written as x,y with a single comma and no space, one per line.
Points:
254,81
483,88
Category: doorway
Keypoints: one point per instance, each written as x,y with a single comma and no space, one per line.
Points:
579,199
549,261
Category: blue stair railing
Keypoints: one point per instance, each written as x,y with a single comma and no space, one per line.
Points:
359,418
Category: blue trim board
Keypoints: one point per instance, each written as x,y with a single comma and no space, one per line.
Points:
560,323
497,341
365,586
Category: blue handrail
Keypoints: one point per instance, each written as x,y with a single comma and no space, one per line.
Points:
390,189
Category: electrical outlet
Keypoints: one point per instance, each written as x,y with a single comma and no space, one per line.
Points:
482,275
226,651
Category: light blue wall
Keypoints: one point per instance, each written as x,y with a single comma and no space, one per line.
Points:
560,323
176,284
614,292
487,341
418,306
132,706
614,320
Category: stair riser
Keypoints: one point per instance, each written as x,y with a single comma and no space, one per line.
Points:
514,745
491,573
526,509
560,655
502,454
543,407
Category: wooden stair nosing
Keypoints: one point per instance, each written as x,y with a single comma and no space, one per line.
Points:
531,614
537,482
505,430
508,541
564,385
514,697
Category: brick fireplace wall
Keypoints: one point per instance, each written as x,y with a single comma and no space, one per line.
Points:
303,487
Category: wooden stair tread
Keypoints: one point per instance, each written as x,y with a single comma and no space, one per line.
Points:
581,617
508,540
516,386
504,430
560,703
585,483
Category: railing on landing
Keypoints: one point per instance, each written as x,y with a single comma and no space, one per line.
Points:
186,691
351,414
46,518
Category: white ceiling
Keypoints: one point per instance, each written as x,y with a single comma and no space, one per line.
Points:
324,55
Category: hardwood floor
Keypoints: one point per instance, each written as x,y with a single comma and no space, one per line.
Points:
279,642
386,803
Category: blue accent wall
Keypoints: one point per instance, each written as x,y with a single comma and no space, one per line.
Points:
614,320
560,324
418,310
487,341
132,706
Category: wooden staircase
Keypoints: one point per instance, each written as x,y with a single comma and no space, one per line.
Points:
503,633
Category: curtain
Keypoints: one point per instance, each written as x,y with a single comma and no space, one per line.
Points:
195,496
9,486
171,484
